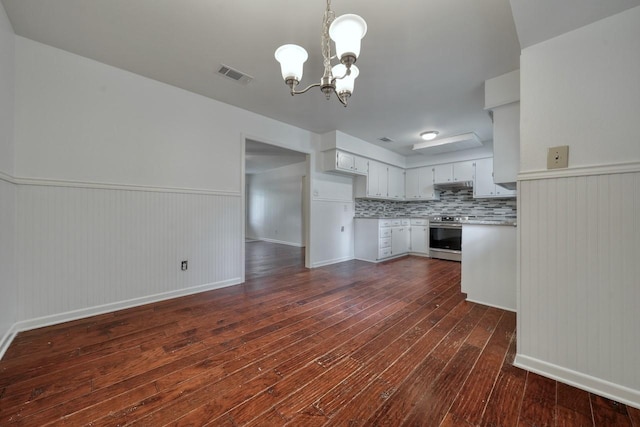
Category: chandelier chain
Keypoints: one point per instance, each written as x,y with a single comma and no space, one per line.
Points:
329,16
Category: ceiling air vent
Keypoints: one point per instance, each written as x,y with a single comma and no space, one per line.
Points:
234,75
385,139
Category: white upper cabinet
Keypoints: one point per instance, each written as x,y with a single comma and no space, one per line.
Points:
419,184
443,173
483,186
396,188
340,161
502,97
454,172
378,180
463,171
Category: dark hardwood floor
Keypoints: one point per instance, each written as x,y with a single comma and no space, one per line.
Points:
353,344
267,259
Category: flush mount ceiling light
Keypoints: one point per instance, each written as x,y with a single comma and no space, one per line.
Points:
470,140
429,135
346,31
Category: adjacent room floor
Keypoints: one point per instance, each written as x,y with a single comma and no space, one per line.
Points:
352,344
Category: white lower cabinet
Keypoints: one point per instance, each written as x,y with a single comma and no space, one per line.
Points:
419,236
400,238
380,239
489,262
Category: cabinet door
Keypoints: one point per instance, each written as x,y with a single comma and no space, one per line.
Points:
419,235
372,179
345,161
504,192
443,173
396,183
400,240
412,184
377,185
463,171
361,165
483,185
426,180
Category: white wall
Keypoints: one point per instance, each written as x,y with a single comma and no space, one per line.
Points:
579,229
7,82
8,284
121,177
274,205
582,89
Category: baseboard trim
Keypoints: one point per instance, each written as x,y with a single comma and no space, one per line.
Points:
586,382
280,242
331,261
54,319
513,310
7,338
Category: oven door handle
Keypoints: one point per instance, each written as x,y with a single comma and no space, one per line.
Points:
448,226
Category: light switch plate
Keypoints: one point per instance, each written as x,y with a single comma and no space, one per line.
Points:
558,157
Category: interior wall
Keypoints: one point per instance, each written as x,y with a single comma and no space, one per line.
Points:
8,284
274,205
103,153
582,90
579,229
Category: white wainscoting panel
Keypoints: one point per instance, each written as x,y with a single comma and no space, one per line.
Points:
579,301
86,250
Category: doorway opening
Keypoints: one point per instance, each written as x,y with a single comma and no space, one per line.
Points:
275,209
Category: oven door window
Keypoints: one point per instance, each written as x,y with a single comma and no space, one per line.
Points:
445,238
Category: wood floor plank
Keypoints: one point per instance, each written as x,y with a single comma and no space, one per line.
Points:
505,401
351,343
607,412
539,402
472,398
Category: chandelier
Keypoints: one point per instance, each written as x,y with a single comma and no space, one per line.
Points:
346,31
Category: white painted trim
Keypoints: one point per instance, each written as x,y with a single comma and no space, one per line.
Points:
110,186
586,382
321,199
331,261
7,177
6,340
491,305
280,242
629,167
39,322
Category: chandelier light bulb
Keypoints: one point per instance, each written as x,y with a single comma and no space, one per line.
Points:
291,58
429,135
346,31
345,84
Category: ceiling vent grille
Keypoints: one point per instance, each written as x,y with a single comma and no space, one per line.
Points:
234,75
385,139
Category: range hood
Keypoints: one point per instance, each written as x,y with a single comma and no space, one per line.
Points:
453,185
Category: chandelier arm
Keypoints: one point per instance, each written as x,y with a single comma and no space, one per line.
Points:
298,92
348,73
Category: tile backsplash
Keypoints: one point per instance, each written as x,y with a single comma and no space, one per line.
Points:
452,202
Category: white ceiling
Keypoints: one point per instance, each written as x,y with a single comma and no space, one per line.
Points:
423,62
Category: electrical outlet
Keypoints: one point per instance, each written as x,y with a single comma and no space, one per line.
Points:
558,157
184,265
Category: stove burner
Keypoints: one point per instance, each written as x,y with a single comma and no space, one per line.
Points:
447,218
